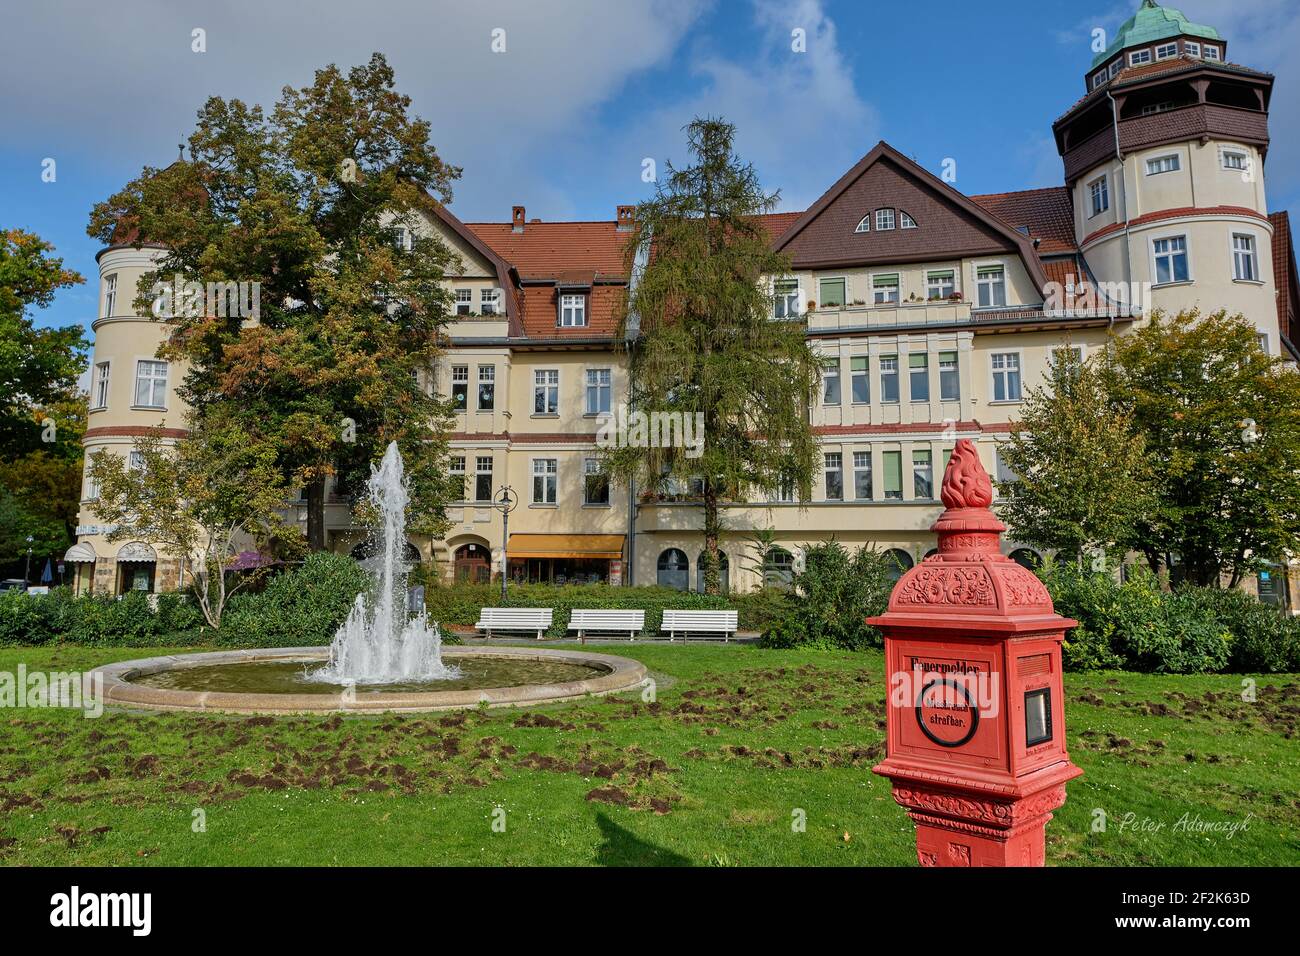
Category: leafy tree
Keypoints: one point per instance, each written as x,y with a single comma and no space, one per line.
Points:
1221,424
1082,482
196,499
37,366
306,202
707,341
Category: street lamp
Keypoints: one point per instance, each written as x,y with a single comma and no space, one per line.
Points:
505,502
27,576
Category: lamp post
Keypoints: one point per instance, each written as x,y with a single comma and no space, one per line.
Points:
505,501
27,575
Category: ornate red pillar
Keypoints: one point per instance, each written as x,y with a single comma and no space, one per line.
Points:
976,717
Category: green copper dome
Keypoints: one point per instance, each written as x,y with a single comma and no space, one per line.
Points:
1154,22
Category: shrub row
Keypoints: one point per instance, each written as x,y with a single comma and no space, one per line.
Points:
301,608
100,620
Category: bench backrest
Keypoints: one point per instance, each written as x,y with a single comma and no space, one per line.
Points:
700,620
530,617
619,620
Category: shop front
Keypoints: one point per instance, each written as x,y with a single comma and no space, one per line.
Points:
566,558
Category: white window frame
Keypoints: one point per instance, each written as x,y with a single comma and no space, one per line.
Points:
135,461
1155,164
865,373
862,462
102,381
1191,47
464,301
1138,57
489,301
1002,268
454,468
885,215
547,469
587,473
401,238
1115,66
489,379
1210,51
1165,50
881,371
955,369
864,224
1187,253
952,282
1093,193
993,377
460,376
546,381
1236,151
831,373
153,381
91,487
905,220
1252,257
828,469
595,387
784,301
572,312
1098,79
480,471
898,289
110,295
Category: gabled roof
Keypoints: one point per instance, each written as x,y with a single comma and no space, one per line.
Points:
499,265
882,151
1047,213
550,250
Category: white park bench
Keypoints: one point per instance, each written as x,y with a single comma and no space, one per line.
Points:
536,619
700,622
606,621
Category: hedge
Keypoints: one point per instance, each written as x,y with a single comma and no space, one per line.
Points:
301,608
98,620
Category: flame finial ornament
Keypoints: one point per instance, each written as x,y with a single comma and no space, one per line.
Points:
965,482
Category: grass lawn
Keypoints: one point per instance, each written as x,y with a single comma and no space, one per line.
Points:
713,773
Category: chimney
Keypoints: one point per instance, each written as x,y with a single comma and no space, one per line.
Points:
626,217
517,219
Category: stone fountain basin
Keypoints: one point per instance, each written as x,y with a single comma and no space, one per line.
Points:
118,690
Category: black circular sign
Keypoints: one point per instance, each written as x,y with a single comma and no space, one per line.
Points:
920,712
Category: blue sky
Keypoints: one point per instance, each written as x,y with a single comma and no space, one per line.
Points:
585,91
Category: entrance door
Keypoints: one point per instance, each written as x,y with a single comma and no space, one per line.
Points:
472,563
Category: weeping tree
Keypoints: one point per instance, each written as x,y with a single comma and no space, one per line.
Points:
704,345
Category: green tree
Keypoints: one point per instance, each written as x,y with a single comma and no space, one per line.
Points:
37,366
307,202
197,500
1220,419
707,342
1082,482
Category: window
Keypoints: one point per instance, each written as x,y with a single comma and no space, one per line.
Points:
884,219
900,561
546,391
830,294
546,472
483,478
1191,49
1115,66
939,285
1001,470
1211,52
864,224
457,469
1165,50
573,311
949,379
991,283
598,391
401,238
862,475
1099,79
487,386
464,301
460,387
1171,259
1139,56
1163,164
92,488
905,221
151,384
1006,376
861,383
489,301
834,476
778,568
1067,356
1244,266
101,385
884,289
831,382
1099,195
110,294
922,474
1162,107
786,304
135,461
889,378
918,364
893,462
595,484
724,572
674,569
1235,159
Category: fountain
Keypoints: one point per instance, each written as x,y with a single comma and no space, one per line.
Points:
382,659
379,643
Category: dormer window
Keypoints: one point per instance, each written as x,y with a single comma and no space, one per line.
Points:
905,221
573,311
1138,57
884,219
1211,52
1191,48
1166,50
864,224
1099,79
1114,67
489,301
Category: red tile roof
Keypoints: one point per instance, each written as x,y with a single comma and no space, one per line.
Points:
1174,213
1048,213
549,250
777,223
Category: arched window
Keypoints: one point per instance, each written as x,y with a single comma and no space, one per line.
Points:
905,221
472,562
897,561
864,224
1026,558
674,570
778,568
724,572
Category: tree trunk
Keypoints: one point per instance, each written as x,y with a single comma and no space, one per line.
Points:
710,563
316,515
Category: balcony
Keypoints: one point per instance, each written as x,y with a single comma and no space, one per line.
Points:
905,315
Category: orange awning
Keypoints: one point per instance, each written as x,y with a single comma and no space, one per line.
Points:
566,546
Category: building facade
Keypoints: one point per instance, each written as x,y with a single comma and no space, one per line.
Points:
935,313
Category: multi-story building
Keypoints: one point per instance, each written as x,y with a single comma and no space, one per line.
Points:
935,312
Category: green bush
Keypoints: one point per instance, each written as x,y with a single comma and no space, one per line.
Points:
24,619
178,612
832,597
1263,639
303,607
